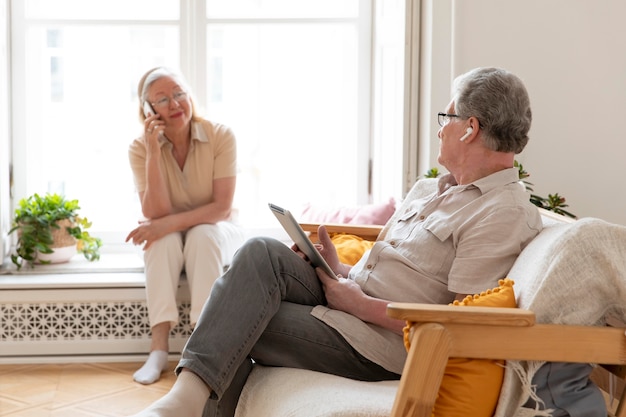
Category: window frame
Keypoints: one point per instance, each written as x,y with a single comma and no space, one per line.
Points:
5,132
193,63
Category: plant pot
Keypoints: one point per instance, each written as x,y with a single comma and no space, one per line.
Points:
34,223
63,246
60,255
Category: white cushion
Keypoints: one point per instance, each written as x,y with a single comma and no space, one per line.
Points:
288,392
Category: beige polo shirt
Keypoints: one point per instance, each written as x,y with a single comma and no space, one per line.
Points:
212,155
460,240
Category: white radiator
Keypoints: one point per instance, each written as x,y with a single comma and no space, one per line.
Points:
57,317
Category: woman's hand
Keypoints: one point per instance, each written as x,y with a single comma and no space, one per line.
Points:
148,232
153,128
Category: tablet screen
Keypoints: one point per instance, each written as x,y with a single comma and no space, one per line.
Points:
300,238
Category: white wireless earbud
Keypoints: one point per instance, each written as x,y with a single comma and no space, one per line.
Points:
468,131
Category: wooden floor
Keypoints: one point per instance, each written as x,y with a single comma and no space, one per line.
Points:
94,390
77,390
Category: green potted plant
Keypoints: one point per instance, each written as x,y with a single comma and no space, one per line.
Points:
553,202
51,222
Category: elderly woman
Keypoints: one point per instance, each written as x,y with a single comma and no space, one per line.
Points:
184,169
272,307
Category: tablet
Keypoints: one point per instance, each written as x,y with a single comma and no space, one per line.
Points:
300,238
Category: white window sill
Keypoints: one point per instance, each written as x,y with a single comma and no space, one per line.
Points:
112,270
119,266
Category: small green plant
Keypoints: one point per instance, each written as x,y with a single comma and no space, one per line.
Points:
554,202
37,218
432,173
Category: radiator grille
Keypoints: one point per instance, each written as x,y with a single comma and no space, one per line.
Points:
80,321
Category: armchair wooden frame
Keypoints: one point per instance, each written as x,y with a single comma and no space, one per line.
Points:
440,332
367,232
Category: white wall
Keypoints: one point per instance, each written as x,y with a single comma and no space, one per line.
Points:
571,55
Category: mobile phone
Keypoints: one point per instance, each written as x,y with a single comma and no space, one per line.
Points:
147,109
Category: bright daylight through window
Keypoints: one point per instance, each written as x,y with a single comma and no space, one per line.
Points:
295,80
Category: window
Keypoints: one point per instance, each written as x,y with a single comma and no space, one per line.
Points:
295,80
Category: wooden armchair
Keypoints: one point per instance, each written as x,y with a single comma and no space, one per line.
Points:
441,332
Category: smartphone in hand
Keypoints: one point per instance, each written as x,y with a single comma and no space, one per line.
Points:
147,109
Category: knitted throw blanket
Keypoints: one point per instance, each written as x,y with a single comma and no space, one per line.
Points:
572,274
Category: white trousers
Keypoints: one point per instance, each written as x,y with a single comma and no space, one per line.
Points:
202,252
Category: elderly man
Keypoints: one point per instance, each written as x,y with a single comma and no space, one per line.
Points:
272,307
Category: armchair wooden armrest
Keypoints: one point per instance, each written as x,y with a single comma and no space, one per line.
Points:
367,232
438,313
439,332
508,333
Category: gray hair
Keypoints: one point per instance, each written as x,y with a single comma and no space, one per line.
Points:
500,102
155,74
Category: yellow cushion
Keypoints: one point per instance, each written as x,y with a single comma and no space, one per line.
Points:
471,387
350,248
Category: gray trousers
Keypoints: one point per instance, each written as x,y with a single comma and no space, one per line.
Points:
259,310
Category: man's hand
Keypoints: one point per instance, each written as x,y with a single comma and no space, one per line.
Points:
327,249
346,295
342,293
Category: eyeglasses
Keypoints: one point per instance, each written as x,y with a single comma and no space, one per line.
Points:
165,101
444,118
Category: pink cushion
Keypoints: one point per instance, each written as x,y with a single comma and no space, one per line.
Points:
366,214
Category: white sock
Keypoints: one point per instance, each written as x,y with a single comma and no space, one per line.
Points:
187,398
150,372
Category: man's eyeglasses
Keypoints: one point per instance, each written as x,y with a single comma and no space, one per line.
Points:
165,101
444,118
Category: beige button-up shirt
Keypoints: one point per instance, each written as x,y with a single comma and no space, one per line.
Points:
459,240
212,155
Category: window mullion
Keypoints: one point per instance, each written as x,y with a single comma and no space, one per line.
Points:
193,46
365,110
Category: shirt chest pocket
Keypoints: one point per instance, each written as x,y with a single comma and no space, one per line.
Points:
430,247
402,228
410,220
438,227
